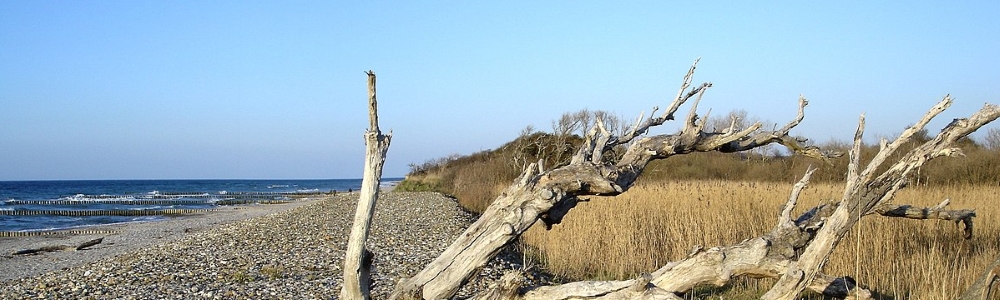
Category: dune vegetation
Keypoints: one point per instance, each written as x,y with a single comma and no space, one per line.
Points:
712,199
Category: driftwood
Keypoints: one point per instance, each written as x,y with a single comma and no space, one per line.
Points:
982,289
765,256
794,251
81,246
937,212
865,191
358,260
547,195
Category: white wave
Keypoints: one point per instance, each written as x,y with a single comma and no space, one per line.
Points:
154,207
97,198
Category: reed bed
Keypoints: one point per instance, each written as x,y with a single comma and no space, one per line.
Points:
660,221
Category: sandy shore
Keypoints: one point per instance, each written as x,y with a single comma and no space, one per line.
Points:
118,239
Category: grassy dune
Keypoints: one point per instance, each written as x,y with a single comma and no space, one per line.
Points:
657,222
713,199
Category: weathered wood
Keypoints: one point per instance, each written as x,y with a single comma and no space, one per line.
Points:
982,289
56,248
766,256
864,192
358,260
794,251
937,212
89,243
508,285
537,191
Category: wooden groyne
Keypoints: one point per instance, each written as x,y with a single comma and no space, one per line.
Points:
250,201
230,194
115,202
174,199
4,234
233,201
83,213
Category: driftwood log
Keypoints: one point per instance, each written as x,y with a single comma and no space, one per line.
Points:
794,251
865,191
358,259
547,195
982,289
764,256
81,246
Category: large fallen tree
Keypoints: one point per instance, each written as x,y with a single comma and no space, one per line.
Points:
794,251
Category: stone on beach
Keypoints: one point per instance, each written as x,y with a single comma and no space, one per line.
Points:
293,254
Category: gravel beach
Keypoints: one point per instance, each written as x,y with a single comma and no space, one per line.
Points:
283,251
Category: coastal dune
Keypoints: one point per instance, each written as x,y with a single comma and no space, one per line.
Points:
280,251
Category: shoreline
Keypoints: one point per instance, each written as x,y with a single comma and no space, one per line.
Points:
119,238
290,252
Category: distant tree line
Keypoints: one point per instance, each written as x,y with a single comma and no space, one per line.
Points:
477,178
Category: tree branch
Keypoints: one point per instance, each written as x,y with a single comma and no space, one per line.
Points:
768,255
81,246
863,193
549,194
536,193
937,212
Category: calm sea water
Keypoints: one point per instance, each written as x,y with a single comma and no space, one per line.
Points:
128,194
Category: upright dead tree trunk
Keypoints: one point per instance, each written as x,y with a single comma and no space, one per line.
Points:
358,260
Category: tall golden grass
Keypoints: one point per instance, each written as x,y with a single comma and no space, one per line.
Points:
712,199
661,221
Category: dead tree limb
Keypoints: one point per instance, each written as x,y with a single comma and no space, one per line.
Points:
766,256
794,251
508,285
983,287
864,191
56,248
536,192
937,212
358,260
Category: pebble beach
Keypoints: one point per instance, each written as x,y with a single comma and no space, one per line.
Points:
281,251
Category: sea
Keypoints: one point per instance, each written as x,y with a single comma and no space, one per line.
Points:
58,205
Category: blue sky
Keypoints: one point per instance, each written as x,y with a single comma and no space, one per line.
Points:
253,89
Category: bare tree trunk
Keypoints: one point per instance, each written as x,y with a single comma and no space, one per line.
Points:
794,251
768,255
358,260
549,194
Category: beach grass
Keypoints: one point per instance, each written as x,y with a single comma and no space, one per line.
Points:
658,222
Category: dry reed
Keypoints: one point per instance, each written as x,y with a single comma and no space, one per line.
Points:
657,222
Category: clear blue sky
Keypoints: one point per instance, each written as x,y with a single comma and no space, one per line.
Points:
252,89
